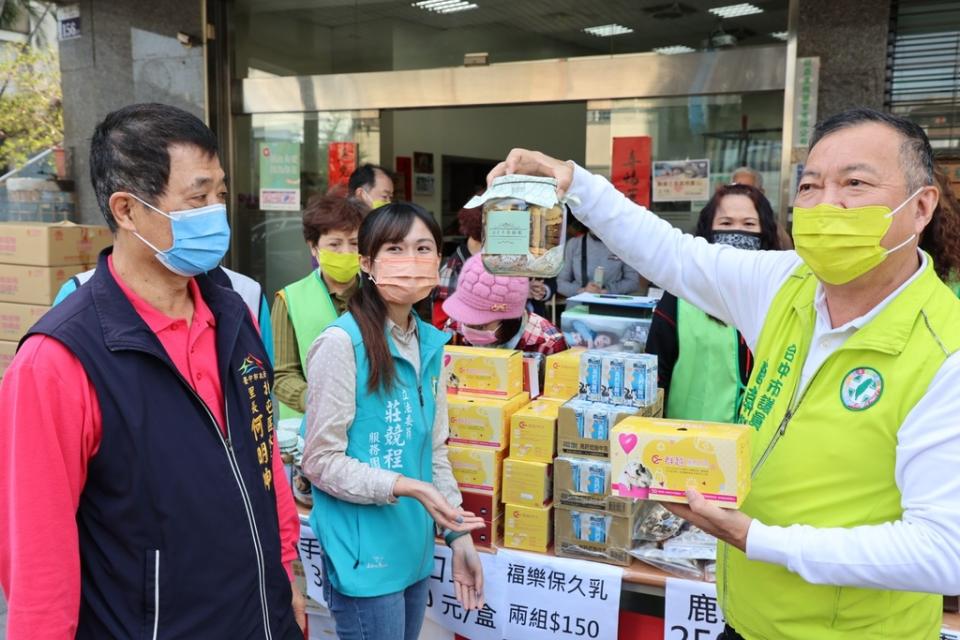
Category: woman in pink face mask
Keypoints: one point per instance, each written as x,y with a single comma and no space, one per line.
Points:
376,436
490,311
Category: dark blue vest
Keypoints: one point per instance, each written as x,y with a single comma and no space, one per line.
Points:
177,525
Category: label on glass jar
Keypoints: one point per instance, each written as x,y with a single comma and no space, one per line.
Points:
508,232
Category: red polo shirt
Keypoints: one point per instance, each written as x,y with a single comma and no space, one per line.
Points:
52,422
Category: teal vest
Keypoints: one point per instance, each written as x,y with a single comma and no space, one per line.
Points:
706,378
375,550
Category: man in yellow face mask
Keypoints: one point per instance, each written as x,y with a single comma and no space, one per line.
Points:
303,309
372,185
852,527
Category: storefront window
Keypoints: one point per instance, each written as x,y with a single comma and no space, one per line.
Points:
725,131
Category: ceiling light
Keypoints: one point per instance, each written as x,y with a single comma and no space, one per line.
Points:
780,35
736,10
675,49
444,6
607,30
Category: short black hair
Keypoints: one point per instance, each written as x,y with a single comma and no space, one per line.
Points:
916,154
365,176
130,151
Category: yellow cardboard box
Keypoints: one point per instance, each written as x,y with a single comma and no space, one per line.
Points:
482,421
7,351
477,468
528,528
34,285
533,430
527,483
562,375
16,319
483,372
45,244
660,459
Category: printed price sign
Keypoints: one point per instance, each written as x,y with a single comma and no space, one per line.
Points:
312,558
947,634
548,597
692,611
444,609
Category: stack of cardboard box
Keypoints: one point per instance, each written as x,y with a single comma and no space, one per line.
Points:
484,390
35,260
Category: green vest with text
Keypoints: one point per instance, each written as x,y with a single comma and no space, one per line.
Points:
826,458
705,384
310,310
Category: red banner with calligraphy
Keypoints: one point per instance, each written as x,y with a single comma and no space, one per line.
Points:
630,168
341,162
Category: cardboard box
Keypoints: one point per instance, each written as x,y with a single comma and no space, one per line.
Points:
482,421
533,363
16,319
490,535
527,482
659,459
628,379
528,528
533,430
483,372
44,244
612,333
7,351
477,468
592,535
570,442
562,374
34,285
481,503
584,483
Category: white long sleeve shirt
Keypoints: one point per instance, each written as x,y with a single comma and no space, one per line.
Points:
921,551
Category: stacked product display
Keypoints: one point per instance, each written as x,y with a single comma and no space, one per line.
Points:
36,258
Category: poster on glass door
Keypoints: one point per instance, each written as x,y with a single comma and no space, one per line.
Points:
681,180
279,176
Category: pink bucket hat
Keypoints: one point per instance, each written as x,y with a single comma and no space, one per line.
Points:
481,297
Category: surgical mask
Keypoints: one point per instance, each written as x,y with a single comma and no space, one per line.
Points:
840,245
341,267
479,337
738,239
404,279
201,238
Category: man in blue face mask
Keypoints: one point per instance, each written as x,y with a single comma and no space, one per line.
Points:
146,397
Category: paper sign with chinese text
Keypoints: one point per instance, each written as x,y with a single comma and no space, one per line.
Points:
279,176
549,598
681,180
443,608
341,162
630,168
692,611
312,559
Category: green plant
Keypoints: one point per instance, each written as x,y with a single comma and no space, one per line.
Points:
31,109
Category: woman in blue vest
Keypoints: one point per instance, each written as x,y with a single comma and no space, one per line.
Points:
703,365
376,440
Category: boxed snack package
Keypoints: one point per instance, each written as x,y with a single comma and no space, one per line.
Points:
533,374
34,285
482,421
528,528
45,244
594,535
562,374
660,459
489,535
16,319
477,468
584,483
583,427
478,371
533,430
526,482
482,503
629,379
583,328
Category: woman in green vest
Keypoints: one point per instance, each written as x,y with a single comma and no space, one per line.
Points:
303,309
703,364
376,436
